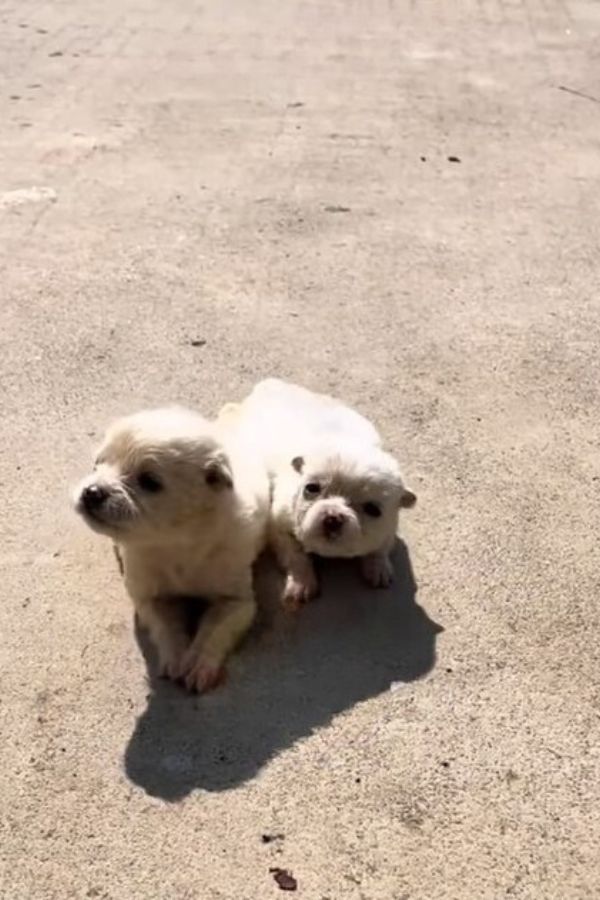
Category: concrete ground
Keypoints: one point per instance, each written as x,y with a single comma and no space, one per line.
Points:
395,201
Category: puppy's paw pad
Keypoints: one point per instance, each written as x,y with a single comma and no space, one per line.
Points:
297,592
377,571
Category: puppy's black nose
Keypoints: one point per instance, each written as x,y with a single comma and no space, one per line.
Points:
93,496
332,524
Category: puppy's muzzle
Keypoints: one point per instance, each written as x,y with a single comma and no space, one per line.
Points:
333,525
93,498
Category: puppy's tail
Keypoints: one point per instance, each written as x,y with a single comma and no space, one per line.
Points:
229,413
229,420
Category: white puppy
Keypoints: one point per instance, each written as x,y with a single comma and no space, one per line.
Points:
188,514
335,491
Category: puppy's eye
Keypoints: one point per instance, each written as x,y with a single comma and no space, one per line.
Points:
149,482
372,509
312,489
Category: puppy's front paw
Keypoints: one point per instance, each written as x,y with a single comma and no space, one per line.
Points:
377,570
169,668
299,591
170,657
201,673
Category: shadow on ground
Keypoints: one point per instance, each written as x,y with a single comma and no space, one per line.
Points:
291,677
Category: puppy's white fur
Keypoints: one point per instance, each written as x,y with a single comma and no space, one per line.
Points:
335,491
188,514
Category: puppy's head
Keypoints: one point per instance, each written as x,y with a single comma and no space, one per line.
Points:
158,475
348,500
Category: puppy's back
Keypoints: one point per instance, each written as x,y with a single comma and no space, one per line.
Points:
287,415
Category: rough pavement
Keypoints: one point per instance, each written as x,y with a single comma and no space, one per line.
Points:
194,196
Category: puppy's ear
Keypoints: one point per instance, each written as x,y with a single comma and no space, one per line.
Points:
298,463
407,498
217,472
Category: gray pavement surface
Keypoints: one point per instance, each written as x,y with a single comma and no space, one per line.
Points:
192,197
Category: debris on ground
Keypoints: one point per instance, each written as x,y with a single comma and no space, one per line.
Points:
285,880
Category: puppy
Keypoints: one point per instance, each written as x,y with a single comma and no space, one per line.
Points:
335,491
188,515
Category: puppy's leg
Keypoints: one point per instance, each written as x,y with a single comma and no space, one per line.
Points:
221,627
166,626
301,583
377,569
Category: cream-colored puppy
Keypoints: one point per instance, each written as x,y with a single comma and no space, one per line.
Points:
188,514
335,491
